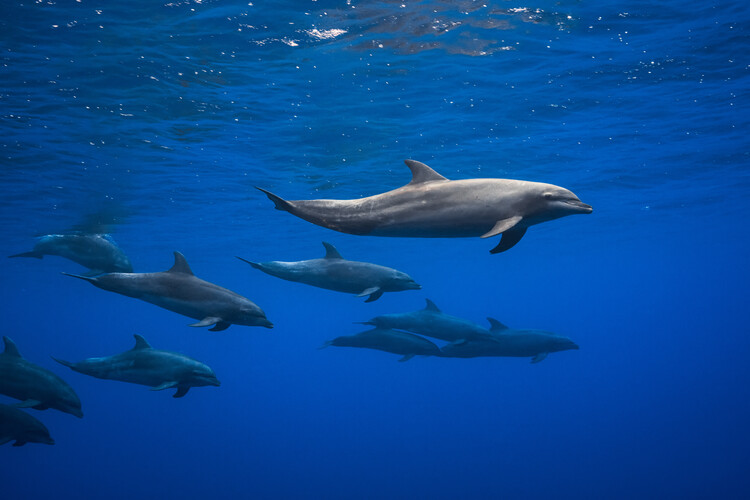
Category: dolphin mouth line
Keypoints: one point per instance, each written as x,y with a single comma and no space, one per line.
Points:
583,207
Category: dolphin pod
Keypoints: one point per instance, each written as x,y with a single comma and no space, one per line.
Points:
35,386
180,291
98,252
333,272
431,206
145,365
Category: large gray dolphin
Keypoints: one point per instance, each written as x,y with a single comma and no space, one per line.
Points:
148,366
35,386
432,322
180,291
333,272
384,339
98,252
20,426
432,206
510,342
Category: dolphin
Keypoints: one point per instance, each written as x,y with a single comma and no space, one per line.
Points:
180,291
385,339
510,342
148,366
333,272
98,252
20,426
432,322
431,206
35,386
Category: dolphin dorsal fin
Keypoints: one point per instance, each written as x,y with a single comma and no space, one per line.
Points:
422,173
496,326
180,265
331,252
140,343
10,348
431,306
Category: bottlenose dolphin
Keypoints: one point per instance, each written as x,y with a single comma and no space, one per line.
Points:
432,322
387,340
35,386
20,426
180,291
333,272
431,206
148,366
510,342
98,252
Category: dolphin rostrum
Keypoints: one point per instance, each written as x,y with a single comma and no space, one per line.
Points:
19,426
431,206
333,272
35,386
385,339
98,252
148,366
180,291
432,322
510,342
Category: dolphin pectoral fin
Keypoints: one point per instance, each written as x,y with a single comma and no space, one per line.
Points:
406,358
539,357
256,265
36,255
207,321
5,440
374,293
81,277
19,443
502,225
508,240
93,272
279,202
165,385
221,325
29,403
181,391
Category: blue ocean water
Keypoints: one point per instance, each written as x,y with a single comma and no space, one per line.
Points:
157,119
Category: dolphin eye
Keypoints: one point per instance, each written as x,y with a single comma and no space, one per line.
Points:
548,196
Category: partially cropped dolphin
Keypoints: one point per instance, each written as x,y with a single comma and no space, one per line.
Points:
19,426
432,322
510,342
432,206
35,386
98,252
148,366
333,272
384,339
179,290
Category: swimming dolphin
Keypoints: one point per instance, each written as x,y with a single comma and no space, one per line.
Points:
20,426
431,206
387,340
333,272
432,322
510,342
98,252
35,386
148,366
180,291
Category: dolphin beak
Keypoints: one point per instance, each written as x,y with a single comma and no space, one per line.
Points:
77,412
581,207
215,382
266,323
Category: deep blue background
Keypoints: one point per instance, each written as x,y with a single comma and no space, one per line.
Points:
159,118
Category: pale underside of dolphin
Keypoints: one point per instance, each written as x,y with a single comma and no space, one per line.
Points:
431,206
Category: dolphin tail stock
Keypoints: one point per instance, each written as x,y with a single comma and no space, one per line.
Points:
254,264
36,255
279,202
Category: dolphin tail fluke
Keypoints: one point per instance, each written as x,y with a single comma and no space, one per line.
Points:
254,264
36,255
63,362
279,202
326,344
81,277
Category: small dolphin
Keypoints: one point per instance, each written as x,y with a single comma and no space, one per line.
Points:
432,322
20,426
333,272
98,252
180,291
509,342
35,386
431,206
148,366
384,339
